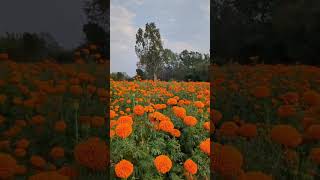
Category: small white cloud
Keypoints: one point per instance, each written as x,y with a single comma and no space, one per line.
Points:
176,46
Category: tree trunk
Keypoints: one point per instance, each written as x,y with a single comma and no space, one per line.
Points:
154,77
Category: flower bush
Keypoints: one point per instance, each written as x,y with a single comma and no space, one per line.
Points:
52,121
159,130
266,121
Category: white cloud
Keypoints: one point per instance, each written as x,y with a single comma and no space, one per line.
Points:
179,46
179,28
122,34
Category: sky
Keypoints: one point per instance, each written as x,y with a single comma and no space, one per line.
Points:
63,19
183,24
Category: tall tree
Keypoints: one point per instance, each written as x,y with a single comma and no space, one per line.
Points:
97,28
97,12
149,49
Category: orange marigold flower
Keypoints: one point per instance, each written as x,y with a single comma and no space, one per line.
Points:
248,130
68,171
19,152
125,119
123,169
113,123
190,166
290,97
112,114
307,122
206,126
92,153
91,89
261,92
76,90
199,104
228,129
7,166
172,101
20,123
12,131
112,133
37,161
102,92
190,121
175,133
286,135
166,126
227,160
20,170
315,155
313,132
22,143
179,112
123,130
158,106
60,126
285,111
205,146
311,98
57,152
181,102
148,109
138,110
37,120
163,163
291,156
50,175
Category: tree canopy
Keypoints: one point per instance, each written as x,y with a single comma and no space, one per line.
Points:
149,49
278,31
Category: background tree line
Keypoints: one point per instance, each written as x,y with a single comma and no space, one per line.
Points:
278,31
29,46
157,62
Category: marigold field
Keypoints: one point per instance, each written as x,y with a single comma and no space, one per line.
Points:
52,121
159,130
266,120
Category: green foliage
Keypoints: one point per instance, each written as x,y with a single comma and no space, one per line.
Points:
119,76
30,47
149,49
145,143
276,31
185,66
